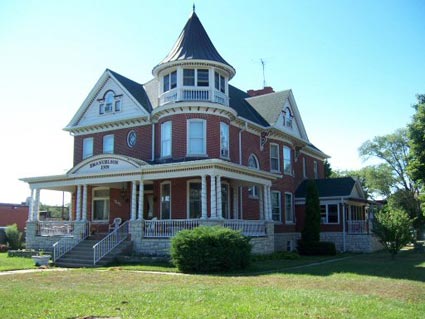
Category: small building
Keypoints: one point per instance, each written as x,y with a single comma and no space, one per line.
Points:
186,149
14,214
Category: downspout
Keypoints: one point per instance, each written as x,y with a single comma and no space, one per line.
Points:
343,226
153,141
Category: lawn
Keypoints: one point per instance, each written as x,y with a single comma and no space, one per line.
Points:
361,286
14,263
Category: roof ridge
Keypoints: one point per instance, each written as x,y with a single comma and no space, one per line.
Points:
268,94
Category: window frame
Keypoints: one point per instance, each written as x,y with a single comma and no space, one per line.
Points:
274,158
106,208
85,155
325,219
165,129
227,137
292,208
167,183
253,190
189,138
188,198
169,81
288,118
315,170
287,163
219,82
279,207
105,138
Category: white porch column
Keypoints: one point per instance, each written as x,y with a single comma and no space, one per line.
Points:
204,197
235,201
133,200
78,211
268,204
219,202
31,206
213,203
84,210
262,202
36,207
70,209
141,199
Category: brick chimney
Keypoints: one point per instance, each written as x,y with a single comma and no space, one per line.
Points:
265,90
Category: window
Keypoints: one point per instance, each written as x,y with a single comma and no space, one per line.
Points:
253,163
287,118
289,209
108,144
196,137
316,173
100,204
189,77
224,140
304,168
87,147
203,77
274,157
166,139
170,81
117,105
110,103
165,200
225,207
287,160
219,82
329,214
109,100
195,204
275,197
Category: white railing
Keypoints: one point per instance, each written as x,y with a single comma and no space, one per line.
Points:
167,228
251,228
194,94
55,228
112,240
357,227
66,244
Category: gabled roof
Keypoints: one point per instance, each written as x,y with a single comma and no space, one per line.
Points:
329,187
135,89
194,43
243,108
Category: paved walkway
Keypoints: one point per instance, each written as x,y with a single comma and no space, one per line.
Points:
29,271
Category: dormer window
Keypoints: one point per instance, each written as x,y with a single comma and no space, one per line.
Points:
170,81
287,117
219,82
110,103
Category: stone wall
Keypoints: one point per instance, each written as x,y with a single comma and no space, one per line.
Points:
281,241
153,247
358,243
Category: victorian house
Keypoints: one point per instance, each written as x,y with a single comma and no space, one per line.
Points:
187,149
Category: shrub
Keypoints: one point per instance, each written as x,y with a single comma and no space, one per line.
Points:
316,248
311,230
3,248
210,249
13,236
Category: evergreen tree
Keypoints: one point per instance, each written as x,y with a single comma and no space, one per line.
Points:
311,231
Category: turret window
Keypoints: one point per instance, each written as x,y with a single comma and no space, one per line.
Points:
198,76
189,77
203,77
219,82
170,81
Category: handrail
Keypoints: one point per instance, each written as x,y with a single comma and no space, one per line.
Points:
251,228
112,240
66,244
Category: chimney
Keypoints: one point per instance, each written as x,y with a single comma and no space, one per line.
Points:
265,90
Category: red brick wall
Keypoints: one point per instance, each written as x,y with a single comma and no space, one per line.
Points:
13,214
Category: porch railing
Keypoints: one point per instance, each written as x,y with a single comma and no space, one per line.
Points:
112,240
357,227
66,244
251,228
55,228
194,94
167,228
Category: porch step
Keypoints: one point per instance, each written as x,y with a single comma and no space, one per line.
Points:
82,255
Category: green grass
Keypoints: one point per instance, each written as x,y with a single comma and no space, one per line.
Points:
14,263
363,286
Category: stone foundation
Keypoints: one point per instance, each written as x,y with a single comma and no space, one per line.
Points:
356,243
286,241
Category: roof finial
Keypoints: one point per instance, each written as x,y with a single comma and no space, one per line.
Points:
193,6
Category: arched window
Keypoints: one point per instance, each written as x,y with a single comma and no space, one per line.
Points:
287,117
110,103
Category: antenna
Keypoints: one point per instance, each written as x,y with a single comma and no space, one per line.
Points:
263,64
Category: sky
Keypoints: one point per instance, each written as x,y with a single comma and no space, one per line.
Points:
354,67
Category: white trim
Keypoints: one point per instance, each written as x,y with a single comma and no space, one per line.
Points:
107,137
285,161
280,204
104,199
91,140
188,182
278,158
204,133
227,126
287,221
327,213
169,139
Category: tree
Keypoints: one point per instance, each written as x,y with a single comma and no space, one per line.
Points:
311,231
328,169
393,228
14,236
417,141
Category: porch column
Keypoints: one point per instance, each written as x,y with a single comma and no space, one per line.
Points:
219,202
268,204
141,199
70,209
31,206
133,200
213,204
204,197
235,201
262,202
84,212
36,207
78,212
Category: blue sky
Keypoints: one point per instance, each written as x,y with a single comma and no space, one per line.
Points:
354,67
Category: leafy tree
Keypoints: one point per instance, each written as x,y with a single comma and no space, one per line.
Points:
328,169
392,226
14,236
417,141
311,231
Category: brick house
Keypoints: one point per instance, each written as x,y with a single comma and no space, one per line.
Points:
185,149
